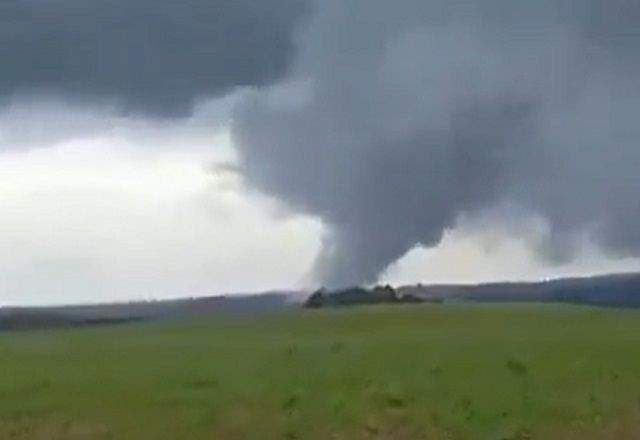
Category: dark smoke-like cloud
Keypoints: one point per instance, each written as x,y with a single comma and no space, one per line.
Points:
387,119
155,57
401,116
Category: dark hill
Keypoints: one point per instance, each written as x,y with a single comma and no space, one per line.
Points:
611,291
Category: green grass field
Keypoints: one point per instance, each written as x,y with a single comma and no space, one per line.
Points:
419,372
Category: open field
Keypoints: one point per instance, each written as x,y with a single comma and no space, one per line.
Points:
456,371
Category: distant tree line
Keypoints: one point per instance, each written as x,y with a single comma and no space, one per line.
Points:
359,296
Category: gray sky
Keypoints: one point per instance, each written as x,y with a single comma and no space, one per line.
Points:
154,149
132,209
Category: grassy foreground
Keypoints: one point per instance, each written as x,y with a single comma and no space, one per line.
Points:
435,372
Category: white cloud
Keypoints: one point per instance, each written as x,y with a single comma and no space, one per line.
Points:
498,252
109,217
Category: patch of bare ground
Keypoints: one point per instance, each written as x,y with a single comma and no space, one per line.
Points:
52,429
623,428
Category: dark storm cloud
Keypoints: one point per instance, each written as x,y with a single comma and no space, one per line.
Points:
150,56
399,117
